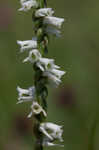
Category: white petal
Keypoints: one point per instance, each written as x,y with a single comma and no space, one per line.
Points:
48,144
40,66
30,115
26,60
52,78
52,126
46,62
22,91
34,55
55,131
56,67
44,12
27,5
58,73
43,130
25,98
37,109
29,44
54,21
51,30
25,95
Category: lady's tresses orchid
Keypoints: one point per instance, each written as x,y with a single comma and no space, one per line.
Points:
30,44
54,21
46,65
33,57
52,132
36,109
26,95
44,12
45,71
28,4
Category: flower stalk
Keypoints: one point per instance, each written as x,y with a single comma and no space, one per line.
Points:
45,71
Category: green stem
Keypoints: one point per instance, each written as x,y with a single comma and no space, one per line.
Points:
37,133
45,3
39,82
38,145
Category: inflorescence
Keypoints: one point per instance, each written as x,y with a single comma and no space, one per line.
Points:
45,71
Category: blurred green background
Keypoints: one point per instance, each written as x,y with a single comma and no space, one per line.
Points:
75,104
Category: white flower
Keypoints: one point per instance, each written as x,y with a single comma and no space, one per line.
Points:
42,63
26,95
29,44
54,75
47,66
36,109
28,4
55,131
46,62
34,56
57,72
53,21
44,12
51,30
53,80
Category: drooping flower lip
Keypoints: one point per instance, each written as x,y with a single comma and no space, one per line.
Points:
36,109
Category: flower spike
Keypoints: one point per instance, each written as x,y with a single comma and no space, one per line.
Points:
45,72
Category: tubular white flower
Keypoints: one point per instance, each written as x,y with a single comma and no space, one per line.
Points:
25,95
29,44
44,12
53,80
51,30
34,56
55,131
46,62
54,75
36,109
54,21
46,65
27,5
42,63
